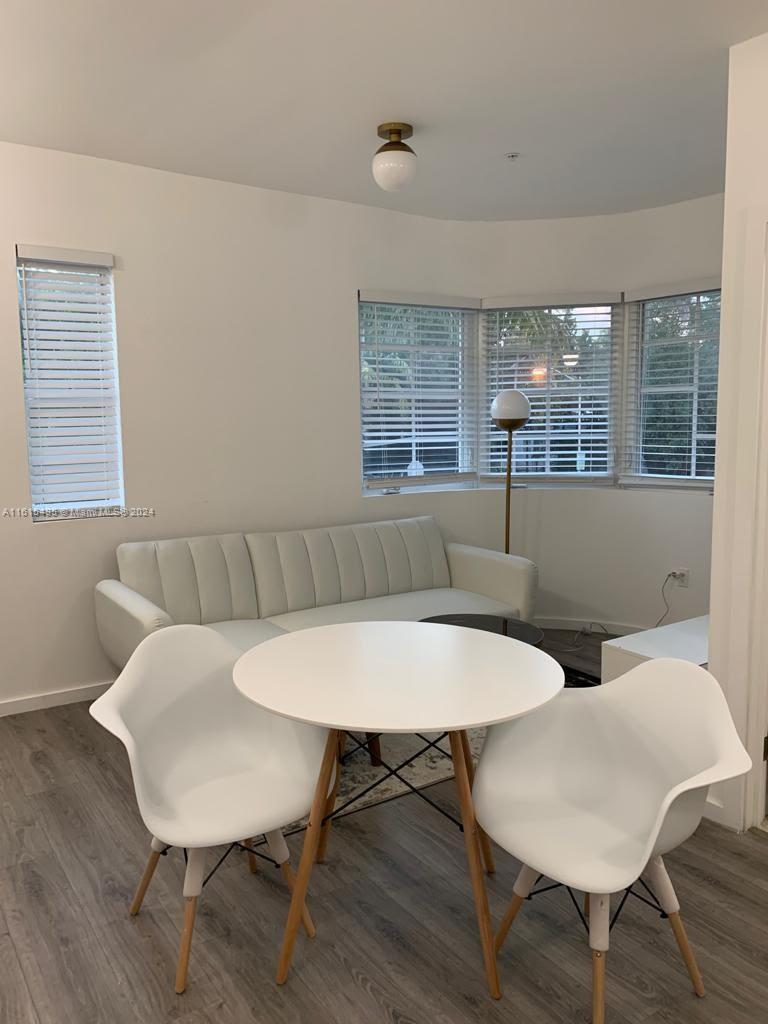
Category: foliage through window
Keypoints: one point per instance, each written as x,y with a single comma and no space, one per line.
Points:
417,383
673,387
563,360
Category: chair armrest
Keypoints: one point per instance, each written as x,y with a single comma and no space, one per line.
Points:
506,578
123,618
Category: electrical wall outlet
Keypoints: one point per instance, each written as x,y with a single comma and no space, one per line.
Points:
681,576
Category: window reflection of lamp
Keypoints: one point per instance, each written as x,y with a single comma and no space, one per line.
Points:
539,373
571,359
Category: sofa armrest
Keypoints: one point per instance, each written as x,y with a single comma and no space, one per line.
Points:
506,578
123,618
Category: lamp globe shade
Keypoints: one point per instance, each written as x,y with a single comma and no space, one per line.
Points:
510,410
393,169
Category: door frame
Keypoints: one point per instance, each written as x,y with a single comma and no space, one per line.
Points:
739,591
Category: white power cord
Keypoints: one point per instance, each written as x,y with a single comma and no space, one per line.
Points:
578,638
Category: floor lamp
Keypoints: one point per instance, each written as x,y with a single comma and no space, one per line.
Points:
510,410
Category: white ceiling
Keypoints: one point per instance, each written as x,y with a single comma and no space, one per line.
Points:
613,104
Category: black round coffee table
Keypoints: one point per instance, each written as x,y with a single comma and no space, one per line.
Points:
503,624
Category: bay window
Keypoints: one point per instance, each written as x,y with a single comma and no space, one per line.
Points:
620,392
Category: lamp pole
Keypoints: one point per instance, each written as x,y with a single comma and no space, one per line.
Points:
508,489
510,410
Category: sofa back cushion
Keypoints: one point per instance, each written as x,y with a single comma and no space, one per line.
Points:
311,568
195,579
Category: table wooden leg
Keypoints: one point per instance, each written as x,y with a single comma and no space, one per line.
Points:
308,854
373,742
325,829
473,859
485,842
253,863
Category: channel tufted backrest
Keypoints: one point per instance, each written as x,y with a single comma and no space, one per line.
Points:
195,579
309,568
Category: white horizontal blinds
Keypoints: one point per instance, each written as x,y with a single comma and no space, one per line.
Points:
417,383
564,359
672,387
70,386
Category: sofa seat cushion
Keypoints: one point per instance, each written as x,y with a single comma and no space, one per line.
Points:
246,633
418,604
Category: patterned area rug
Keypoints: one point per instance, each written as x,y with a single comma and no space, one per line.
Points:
358,773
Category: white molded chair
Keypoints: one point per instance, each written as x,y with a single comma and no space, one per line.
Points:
209,767
594,788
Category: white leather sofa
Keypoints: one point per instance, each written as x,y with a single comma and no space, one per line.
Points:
250,587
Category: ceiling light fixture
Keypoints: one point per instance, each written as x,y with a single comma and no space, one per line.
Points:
394,164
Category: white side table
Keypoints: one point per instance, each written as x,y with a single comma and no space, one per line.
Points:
688,640
399,677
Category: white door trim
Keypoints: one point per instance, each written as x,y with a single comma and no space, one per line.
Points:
739,592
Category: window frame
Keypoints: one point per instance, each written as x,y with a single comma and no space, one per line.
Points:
466,434
630,435
72,261
576,479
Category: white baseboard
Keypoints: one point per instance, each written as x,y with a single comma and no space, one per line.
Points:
617,628
17,705
715,811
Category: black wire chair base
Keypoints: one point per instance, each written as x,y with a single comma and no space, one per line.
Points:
650,900
240,847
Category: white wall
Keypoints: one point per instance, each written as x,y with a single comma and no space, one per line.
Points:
237,329
603,555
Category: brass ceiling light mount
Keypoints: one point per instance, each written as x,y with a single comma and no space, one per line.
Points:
394,164
394,132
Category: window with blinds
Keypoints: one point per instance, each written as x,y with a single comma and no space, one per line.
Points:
564,359
418,388
70,387
672,387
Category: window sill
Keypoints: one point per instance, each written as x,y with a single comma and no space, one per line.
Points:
556,483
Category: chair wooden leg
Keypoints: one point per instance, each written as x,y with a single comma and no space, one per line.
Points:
308,854
659,880
598,987
146,878
485,842
522,889
306,919
599,937
687,953
506,922
253,862
374,748
473,859
190,909
325,830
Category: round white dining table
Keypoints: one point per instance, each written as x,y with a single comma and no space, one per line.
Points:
397,677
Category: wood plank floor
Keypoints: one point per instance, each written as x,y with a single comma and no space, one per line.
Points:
396,938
